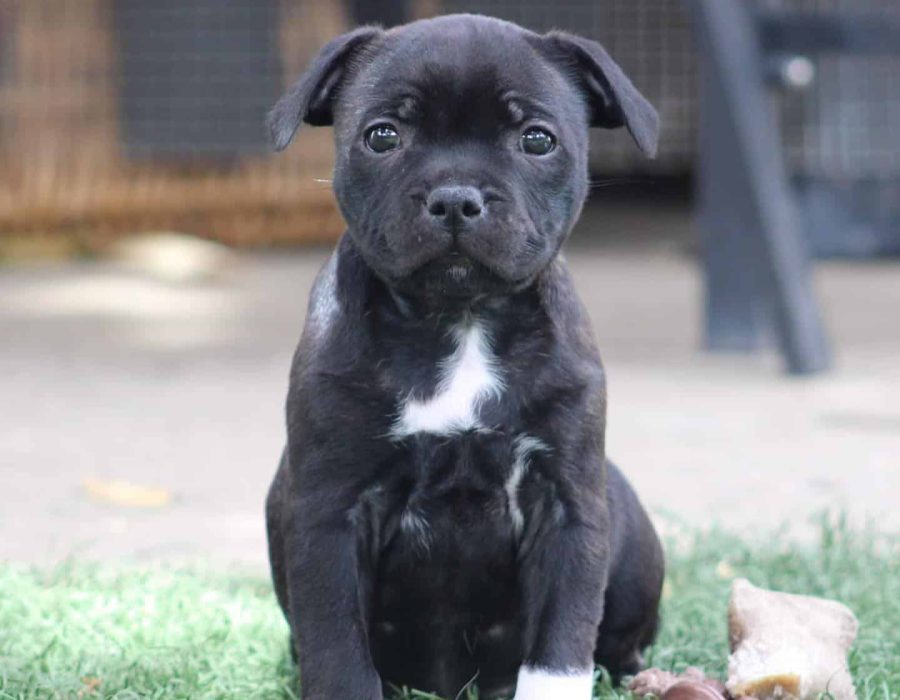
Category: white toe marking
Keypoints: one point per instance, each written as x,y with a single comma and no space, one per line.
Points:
543,684
467,377
523,447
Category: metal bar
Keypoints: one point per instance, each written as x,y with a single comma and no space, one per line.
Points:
753,199
735,314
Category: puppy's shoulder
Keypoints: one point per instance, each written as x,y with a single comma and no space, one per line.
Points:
563,306
333,333
324,308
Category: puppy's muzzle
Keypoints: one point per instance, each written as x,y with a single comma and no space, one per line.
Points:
455,208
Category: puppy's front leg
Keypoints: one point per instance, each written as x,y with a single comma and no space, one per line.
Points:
327,591
564,586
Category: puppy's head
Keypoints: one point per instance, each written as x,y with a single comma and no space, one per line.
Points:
462,145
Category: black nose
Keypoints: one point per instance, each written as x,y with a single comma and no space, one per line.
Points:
454,205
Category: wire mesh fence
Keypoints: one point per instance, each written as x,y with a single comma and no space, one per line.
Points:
845,125
118,115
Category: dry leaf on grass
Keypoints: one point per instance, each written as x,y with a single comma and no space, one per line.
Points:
91,686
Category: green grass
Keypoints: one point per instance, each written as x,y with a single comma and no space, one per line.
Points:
100,632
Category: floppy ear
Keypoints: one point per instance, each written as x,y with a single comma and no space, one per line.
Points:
612,98
312,97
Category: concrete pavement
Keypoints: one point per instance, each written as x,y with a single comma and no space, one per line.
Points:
107,374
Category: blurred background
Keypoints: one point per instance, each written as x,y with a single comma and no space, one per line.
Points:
155,260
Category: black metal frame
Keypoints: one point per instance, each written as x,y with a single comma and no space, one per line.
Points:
756,259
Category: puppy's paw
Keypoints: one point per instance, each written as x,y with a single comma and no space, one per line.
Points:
546,684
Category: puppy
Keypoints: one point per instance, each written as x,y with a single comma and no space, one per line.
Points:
444,514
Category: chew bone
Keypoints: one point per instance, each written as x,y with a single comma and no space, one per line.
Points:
788,646
656,682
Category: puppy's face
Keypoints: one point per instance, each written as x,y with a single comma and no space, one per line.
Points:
461,158
461,146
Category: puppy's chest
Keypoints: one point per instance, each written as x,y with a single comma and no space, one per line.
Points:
464,450
449,486
450,389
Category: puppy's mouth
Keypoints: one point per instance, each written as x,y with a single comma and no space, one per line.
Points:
455,269
458,267
455,275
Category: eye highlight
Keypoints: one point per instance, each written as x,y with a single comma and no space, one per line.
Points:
537,141
382,138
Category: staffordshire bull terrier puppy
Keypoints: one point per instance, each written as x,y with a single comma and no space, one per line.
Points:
444,514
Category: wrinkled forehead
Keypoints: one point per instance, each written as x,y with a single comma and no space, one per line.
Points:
461,67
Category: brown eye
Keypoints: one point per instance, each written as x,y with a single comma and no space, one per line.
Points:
382,138
537,141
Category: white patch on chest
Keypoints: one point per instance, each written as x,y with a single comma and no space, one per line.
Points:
467,377
542,684
523,447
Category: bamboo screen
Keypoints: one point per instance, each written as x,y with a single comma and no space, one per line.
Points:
66,164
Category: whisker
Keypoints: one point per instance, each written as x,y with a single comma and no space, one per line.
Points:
610,182
311,188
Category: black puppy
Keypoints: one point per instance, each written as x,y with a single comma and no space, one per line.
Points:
443,513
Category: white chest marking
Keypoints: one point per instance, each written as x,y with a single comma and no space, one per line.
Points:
467,377
541,684
523,448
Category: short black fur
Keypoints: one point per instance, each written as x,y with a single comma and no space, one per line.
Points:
413,558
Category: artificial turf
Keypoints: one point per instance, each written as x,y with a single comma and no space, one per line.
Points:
90,632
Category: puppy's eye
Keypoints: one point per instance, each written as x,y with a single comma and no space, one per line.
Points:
537,141
382,138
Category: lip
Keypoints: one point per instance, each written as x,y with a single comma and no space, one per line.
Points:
455,263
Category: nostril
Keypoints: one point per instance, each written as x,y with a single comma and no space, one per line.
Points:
471,209
438,208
